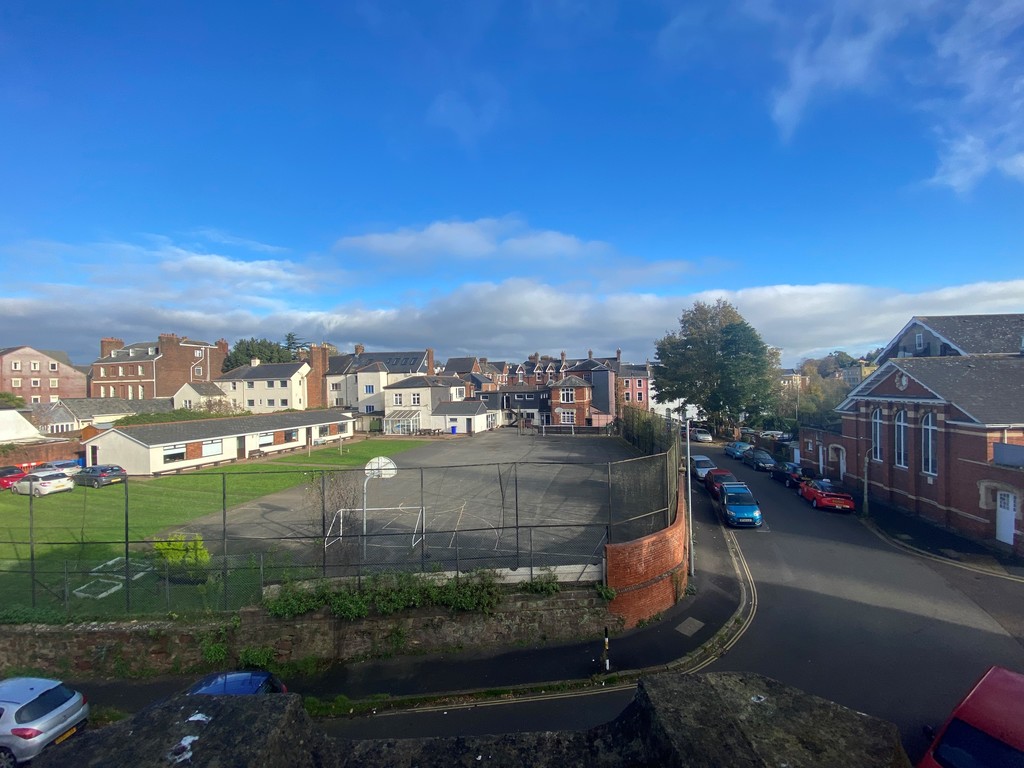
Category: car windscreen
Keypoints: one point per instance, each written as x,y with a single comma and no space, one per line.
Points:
964,746
726,479
741,499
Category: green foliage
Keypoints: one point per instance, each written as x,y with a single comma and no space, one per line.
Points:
22,614
11,400
292,601
183,555
246,349
717,362
214,646
544,584
261,657
179,414
349,604
605,591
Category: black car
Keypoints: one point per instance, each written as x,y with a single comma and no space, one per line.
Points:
100,474
790,473
758,459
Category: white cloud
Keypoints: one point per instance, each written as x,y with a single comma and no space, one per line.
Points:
223,238
959,62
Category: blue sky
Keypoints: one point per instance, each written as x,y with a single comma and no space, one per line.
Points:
501,178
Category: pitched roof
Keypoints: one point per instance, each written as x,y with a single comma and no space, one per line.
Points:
263,371
415,382
90,407
395,362
988,389
569,381
210,429
460,408
206,388
456,365
969,334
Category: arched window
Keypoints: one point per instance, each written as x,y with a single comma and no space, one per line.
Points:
929,445
876,434
900,439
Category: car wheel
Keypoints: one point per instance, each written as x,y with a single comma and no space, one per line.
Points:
787,482
7,758
95,483
814,503
37,493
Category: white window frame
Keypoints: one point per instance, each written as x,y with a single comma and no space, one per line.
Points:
929,444
567,395
367,389
899,439
34,365
54,383
876,434
415,398
213,447
15,383
173,453
54,367
15,365
396,398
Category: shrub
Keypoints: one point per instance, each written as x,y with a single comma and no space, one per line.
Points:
184,557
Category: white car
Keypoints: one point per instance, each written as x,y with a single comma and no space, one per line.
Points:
66,466
42,484
699,466
701,436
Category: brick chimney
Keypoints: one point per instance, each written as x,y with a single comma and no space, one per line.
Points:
109,344
430,361
618,355
254,361
590,354
316,381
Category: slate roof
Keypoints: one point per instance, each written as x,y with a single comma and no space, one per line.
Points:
206,389
211,429
460,408
90,407
569,381
969,334
989,389
53,354
263,371
138,350
395,362
589,365
415,382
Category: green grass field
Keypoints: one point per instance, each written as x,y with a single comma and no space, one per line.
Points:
71,533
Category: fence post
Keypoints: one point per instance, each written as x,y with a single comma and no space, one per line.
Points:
224,538
127,559
67,589
458,566
323,517
515,475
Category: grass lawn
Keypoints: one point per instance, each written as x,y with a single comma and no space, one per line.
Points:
86,527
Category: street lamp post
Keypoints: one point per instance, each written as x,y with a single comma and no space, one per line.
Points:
689,501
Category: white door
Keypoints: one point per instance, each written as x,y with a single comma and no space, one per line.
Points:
1006,516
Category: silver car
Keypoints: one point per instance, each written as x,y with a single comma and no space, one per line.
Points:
34,713
42,484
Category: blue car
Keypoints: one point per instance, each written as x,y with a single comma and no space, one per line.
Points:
737,448
737,506
243,683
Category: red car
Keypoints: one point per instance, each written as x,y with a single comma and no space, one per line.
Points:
714,478
821,493
9,476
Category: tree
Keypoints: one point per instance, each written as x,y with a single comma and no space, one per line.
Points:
11,400
717,362
246,349
294,345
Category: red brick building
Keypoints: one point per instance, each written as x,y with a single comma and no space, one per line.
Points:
159,368
570,401
938,429
40,376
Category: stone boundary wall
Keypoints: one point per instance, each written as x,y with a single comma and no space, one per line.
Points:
136,648
650,575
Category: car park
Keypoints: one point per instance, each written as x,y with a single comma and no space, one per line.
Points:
985,728
34,713
10,475
758,459
99,475
737,448
790,474
68,467
239,683
701,436
737,506
43,484
714,478
822,493
700,464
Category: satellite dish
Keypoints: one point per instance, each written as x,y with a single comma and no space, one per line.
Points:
381,466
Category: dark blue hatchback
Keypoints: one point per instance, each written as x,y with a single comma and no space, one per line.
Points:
245,683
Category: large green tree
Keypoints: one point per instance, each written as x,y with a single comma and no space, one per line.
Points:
246,349
11,400
717,362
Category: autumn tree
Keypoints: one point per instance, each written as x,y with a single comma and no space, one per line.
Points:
717,362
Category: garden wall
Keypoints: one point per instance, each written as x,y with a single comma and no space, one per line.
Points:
133,648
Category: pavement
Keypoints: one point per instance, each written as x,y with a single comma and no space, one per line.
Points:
686,637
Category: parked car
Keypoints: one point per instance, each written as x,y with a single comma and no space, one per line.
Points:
985,728
43,484
790,474
821,493
771,434
748,432
701,436
758,459
714,478
700,464
34,713
100,474
737,448
240,683
10,475
738,507
68,467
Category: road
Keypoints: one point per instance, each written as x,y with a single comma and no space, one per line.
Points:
840,613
